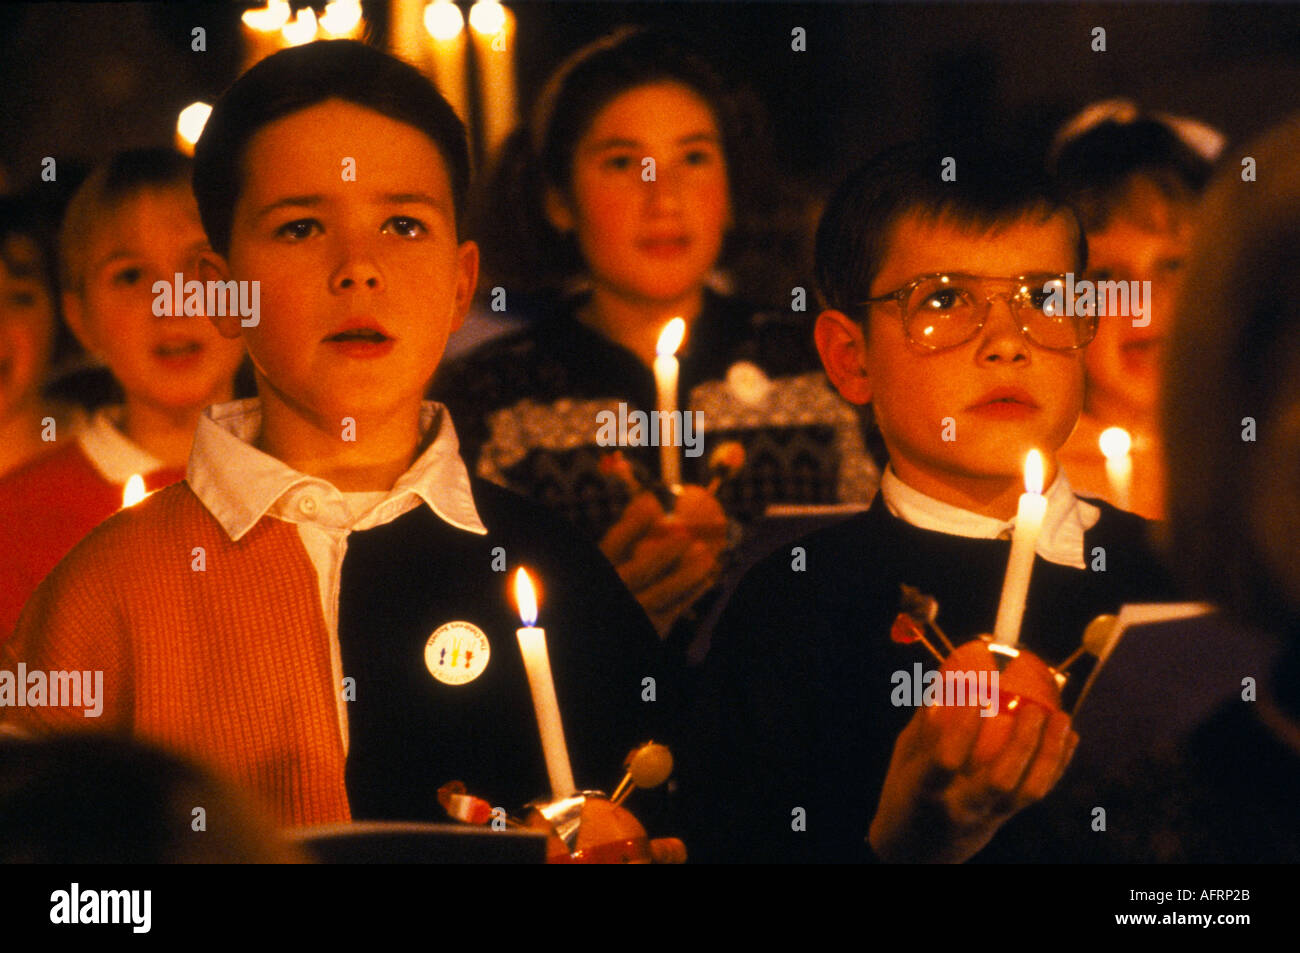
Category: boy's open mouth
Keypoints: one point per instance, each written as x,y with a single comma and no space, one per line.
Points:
365,334
178,348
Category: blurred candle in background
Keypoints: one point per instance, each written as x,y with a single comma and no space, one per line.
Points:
189,126
261,29
342,20
445,24
493,27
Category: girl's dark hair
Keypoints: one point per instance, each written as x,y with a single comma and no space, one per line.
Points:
1235,354
521,248
34,215
1094,168
303,76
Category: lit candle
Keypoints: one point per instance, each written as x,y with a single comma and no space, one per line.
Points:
262,30
1024,540
1115,445
133,492
189,126
666,366
532,645
493,27
446,25
404,39
301,29
342,20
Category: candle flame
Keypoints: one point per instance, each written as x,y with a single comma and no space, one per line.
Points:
133,492
340,17
443,20
190,123
301,29
670,338
487,17
1115,443
526,598
269,18
1034,472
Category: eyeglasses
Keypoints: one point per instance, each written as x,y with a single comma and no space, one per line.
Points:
947,310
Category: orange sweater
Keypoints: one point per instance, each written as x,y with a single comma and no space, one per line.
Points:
251,698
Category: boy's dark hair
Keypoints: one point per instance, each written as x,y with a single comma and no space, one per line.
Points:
1094,169
991,187
519,245
303,76
105,189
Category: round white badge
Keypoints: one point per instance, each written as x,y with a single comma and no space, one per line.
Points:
457,653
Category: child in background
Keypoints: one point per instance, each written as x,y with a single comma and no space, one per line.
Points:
937,316
32,338
637,176
131,223
319,612
1135,180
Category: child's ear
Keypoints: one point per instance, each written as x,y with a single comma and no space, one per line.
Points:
466,281
213,267
843,349
74,315
558,212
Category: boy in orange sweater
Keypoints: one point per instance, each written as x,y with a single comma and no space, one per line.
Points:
132,223
320,610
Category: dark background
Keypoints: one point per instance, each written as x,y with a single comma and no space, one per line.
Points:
81,80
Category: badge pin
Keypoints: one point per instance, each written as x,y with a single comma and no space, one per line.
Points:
457,653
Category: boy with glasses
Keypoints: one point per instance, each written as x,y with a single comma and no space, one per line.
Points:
945,311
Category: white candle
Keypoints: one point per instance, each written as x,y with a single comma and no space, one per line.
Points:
532,645
133,492
1024,540
445,24
404,40
301,29
494,52
342,20
1115,445
666,367
262,30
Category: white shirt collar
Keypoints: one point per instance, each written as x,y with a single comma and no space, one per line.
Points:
1061,540
240,484
113,453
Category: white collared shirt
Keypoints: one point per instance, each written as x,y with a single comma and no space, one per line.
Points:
240,484
1061,539
115,455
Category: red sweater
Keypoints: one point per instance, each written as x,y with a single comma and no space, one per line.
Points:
229,665
46,507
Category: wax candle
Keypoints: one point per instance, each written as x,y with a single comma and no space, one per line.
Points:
133,492
261,28
493,27
189,126
532,645
666,367
301,29
404,38
1024,541
342,20
445,24
1115,445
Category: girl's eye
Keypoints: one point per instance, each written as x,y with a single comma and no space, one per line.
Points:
1172,264
21,299
405,226
617,163
127,277
701,157
298,229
